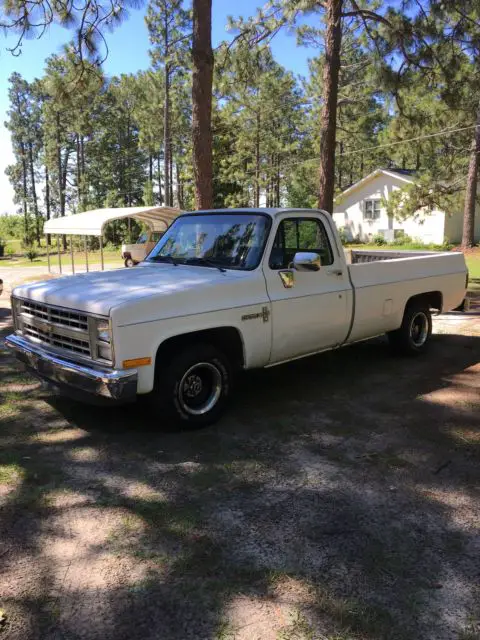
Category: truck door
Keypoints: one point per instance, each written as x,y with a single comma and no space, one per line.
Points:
311,310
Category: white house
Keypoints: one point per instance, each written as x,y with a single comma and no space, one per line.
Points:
359,211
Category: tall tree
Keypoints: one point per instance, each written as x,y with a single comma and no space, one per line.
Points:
169,28
202,80
330,14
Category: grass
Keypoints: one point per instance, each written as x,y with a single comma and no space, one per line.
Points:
10,473
110,258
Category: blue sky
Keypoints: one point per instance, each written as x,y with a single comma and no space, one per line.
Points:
128,53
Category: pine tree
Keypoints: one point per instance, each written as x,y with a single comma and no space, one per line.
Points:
169,28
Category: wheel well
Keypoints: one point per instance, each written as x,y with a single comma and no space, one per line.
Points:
226,339
433,298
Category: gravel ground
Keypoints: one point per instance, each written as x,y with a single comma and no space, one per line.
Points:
339,500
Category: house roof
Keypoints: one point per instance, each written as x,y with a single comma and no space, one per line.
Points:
406,175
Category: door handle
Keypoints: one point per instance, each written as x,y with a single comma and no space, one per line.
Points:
335,272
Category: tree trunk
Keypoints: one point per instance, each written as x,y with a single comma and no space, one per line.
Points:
25,193
63,187
202,79
160,196
181,204
79,173
277,184
150,168
171,177
61,192
82,154
328,122
166,138
34,193
468,237
340,168
256,202
47,200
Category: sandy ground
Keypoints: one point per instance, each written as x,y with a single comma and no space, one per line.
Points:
338,500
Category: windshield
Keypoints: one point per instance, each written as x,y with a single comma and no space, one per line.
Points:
231,241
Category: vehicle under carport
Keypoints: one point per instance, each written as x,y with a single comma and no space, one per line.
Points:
93,223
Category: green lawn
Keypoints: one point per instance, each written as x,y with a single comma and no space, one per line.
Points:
112,258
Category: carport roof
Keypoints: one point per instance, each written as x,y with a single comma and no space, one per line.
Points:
92,223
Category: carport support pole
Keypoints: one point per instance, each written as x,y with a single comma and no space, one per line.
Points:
86,253
59,255
71,254
101,251
48,256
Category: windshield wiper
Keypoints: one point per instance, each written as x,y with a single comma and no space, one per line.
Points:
206,262
169,259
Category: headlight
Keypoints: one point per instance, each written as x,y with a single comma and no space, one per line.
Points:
103,347
103,331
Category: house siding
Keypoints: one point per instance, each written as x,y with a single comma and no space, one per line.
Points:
349,213
454,227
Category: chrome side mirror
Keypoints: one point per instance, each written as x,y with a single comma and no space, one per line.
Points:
304,261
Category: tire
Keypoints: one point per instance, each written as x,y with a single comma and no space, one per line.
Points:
413,337
129,262
194,388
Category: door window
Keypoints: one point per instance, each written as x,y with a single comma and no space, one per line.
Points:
299,234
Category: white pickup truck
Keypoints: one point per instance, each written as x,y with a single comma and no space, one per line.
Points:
222,291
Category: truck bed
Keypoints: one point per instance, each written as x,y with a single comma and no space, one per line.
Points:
383,282
359,256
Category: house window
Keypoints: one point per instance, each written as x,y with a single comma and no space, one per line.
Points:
371,210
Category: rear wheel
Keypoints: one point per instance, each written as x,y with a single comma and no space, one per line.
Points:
413,337
129,262
193,389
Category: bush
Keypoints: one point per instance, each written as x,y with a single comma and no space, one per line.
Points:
343,235
2,247
379,240
31,254
10,251
401,239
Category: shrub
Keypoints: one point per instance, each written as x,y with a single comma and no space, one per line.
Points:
10,251
402,239
343,235
2,247
379,240
31,254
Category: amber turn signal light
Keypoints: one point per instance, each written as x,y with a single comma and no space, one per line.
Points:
136,362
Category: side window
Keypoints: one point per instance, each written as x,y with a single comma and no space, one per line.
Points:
299,234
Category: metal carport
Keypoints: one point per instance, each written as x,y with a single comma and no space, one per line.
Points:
92,223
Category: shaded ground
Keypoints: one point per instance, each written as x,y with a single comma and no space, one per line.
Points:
338,500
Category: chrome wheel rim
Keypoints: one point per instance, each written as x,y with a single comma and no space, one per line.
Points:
200,388
419,329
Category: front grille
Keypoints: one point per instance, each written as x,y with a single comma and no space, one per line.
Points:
71,319
59,328
82,347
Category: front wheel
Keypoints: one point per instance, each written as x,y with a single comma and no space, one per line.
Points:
413,337
193,389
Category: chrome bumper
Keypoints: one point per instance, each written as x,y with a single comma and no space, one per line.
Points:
117,385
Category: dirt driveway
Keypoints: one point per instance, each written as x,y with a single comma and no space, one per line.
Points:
338,500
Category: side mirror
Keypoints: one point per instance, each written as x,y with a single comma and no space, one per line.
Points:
307,261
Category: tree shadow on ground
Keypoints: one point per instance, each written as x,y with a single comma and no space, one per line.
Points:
337,499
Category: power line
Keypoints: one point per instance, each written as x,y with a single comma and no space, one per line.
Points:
380,146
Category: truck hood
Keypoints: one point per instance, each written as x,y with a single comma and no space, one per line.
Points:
99,292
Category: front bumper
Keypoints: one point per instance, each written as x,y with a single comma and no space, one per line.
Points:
110,384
